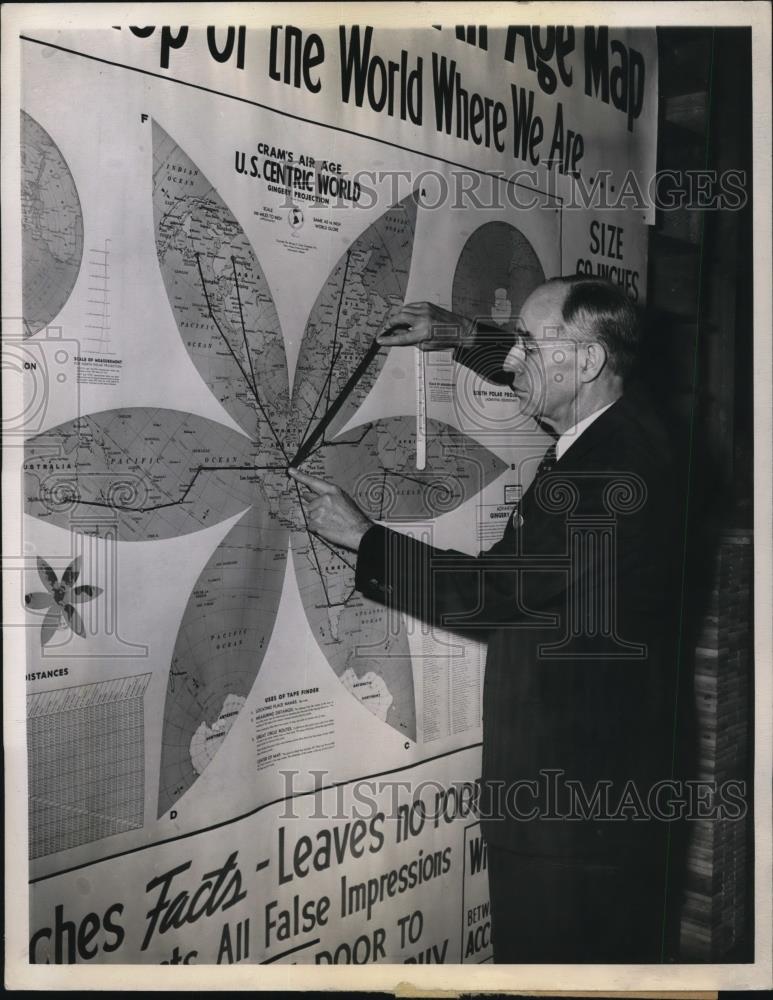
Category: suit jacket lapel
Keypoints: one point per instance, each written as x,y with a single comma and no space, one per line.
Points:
590,438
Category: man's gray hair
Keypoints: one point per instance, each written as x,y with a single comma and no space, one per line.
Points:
598,309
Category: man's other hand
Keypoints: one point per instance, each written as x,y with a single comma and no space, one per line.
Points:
427,327
332,514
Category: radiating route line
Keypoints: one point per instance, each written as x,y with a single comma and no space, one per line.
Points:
310,533
250,385
319,431
338,316
189,487
338,444
325,385
336,553
244,331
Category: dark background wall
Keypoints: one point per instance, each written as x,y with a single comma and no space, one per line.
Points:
699,364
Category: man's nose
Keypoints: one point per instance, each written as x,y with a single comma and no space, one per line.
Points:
515,359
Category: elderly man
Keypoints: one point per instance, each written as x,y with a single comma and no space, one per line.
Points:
575,602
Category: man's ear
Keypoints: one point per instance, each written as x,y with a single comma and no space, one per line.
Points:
594,360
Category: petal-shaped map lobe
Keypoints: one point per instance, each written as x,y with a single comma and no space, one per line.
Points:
376,465
52,227
219,296
365,643
362,294
220,647
152,473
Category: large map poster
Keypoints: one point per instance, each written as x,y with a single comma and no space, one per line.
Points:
232,755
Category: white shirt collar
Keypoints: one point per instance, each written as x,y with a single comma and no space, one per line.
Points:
567,439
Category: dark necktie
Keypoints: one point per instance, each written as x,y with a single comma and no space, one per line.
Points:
549,459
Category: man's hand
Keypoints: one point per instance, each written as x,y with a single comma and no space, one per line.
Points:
427,327
332,514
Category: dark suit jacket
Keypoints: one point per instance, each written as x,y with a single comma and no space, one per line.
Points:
576,602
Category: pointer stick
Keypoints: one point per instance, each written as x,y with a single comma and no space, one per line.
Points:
421,412
303,452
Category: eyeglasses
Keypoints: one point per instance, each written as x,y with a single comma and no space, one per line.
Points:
525,345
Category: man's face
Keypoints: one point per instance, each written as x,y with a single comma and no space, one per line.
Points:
544,360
